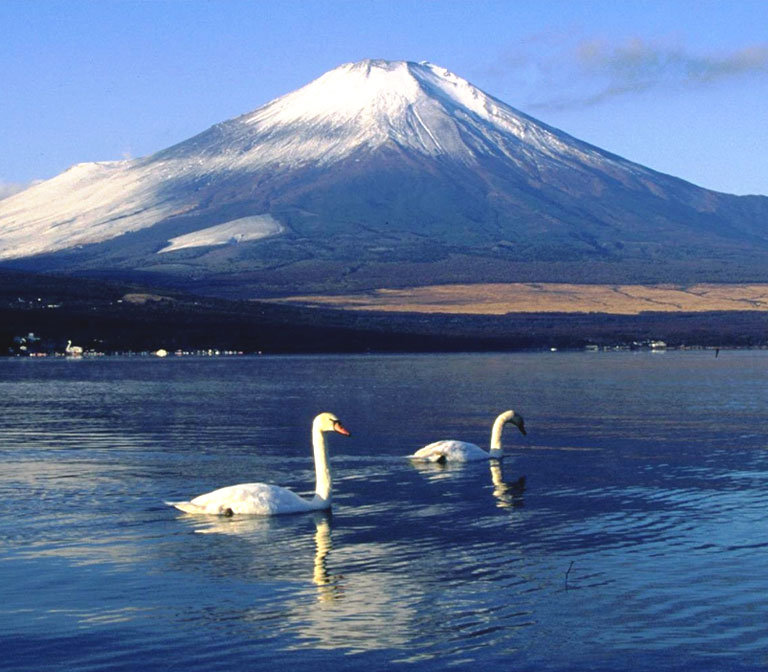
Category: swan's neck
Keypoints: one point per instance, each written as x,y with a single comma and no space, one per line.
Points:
498,427
322,468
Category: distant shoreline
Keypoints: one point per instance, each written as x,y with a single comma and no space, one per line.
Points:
107,317
230,355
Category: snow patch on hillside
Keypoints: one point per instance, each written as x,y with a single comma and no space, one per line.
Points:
88,203
236,231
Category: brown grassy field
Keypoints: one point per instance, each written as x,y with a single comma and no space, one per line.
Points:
498,299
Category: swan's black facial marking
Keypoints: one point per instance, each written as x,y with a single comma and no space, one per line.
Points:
518,422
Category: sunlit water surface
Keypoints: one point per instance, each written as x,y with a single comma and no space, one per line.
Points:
638,540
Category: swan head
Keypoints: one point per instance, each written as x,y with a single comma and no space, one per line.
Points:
328,422
514,418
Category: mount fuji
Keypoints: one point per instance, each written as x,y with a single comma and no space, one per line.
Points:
381,174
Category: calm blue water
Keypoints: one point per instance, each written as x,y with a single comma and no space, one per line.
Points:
639,541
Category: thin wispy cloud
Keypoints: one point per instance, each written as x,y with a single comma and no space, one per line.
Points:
10,188
558,71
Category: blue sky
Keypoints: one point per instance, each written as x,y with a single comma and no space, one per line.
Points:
679,86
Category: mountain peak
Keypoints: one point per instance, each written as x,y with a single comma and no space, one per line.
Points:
344,93
365,105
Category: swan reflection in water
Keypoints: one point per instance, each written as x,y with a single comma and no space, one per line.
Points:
508,494
346,595
328,586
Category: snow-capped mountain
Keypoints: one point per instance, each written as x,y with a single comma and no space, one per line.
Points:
381,173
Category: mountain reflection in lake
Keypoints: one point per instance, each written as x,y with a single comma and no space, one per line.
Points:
636,539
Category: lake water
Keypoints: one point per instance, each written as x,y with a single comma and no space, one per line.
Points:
639,540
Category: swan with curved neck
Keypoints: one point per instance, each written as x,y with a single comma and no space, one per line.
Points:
462,451
269,500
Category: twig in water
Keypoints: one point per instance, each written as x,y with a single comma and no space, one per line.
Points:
567,573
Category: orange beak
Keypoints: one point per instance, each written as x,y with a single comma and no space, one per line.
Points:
340,429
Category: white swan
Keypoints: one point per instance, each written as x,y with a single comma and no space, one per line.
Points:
461,451
269,500
73,350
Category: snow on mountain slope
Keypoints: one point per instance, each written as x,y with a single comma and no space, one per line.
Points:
240,230
365,105
88,203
